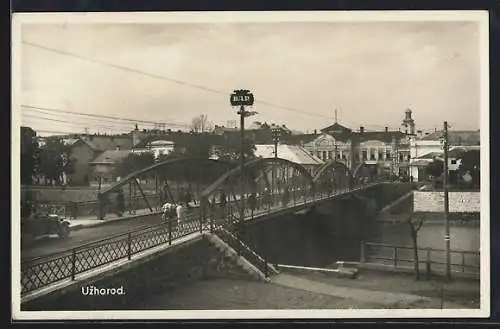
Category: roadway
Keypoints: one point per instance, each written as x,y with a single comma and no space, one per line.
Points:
48,246
86,235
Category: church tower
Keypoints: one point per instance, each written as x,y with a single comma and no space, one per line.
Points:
409,123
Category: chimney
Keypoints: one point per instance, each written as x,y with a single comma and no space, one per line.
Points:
361,129
386,129
315,132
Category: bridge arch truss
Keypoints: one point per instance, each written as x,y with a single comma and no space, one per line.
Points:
263,185
175,181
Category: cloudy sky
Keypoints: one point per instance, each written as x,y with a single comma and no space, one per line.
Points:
370,71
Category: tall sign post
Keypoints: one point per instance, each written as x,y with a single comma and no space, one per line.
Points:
242,98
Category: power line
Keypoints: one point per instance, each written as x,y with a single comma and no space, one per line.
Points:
99,115
179,82
90,121
30,116
131,70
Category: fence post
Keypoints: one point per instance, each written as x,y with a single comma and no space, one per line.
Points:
129,245
170,230
362,257
428,269
73,264
395,256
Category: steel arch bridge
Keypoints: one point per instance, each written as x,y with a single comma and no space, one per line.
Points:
224,194
264,182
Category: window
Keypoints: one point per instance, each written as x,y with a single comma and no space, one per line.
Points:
453,161
318,154
324,155
372,155
401,157
380,155
364,154
329,154
388,154
343,157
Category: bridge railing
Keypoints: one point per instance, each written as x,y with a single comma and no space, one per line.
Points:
433,260
40,272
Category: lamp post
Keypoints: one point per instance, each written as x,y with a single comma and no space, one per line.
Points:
242,98
276,133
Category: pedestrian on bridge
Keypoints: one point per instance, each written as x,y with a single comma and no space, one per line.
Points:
168,211
285,198
252,203
180,212
266,198
120,203
223,203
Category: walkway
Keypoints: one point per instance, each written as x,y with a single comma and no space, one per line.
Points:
369,290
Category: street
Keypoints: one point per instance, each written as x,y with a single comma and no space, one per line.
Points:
85,235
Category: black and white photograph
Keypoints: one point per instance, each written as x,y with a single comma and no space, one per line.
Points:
250,165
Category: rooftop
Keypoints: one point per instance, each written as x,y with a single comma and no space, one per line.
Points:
110,157
292,153
104,143
457,137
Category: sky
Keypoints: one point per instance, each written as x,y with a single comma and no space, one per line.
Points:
370,71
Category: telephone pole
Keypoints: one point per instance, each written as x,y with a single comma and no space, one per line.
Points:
446,202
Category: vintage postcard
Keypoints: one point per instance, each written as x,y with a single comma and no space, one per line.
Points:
237,165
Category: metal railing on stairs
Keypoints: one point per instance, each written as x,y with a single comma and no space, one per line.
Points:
245,251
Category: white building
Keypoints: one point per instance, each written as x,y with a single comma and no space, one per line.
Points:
157,147
424,150
293,153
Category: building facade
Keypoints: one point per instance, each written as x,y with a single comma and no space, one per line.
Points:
388,151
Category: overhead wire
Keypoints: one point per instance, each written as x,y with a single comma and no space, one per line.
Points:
171,80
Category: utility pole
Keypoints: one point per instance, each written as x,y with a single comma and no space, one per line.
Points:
276,133
446,202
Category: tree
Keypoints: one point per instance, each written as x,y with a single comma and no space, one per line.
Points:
30,153
230,149
55,160
200,124
415,223
470,165
134,162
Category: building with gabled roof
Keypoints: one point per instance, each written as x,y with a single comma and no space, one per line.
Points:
104,166
86,148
